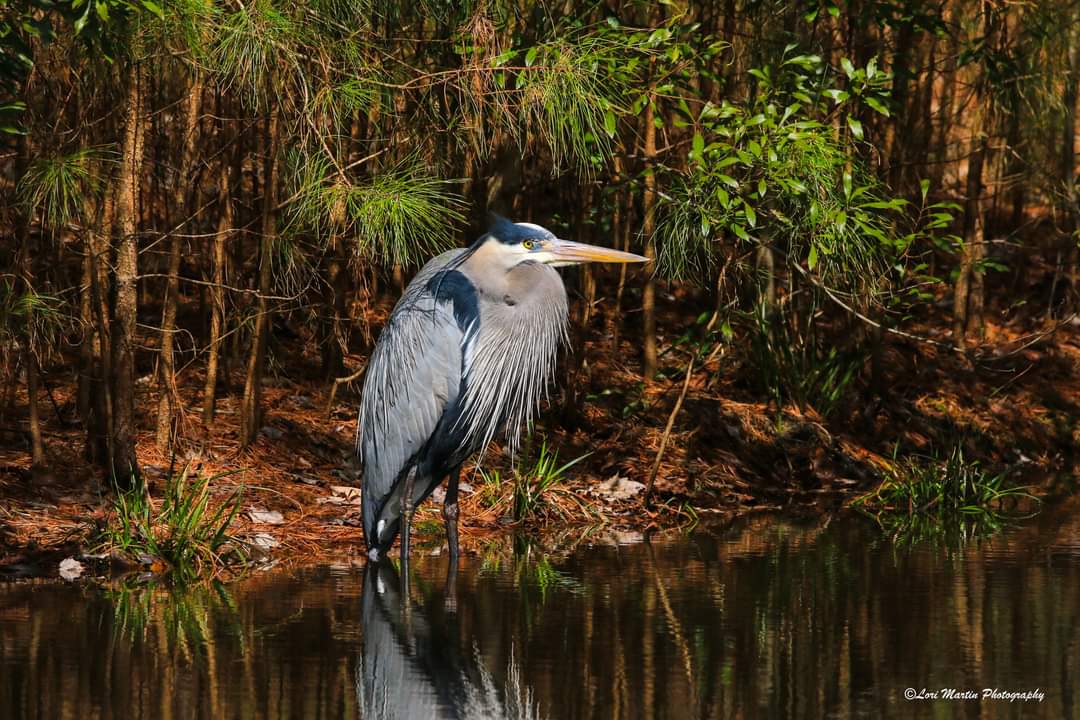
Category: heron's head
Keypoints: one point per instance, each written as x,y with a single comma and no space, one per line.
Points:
512,244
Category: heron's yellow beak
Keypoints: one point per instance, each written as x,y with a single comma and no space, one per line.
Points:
567,252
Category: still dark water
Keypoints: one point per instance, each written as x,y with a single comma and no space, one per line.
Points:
764,618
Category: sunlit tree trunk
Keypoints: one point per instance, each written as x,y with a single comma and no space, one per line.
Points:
124,466
968,298
217,303
169,402
250,406
648,228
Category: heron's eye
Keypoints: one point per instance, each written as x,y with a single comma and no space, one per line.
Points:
528,244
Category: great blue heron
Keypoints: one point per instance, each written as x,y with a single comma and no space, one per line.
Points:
469,349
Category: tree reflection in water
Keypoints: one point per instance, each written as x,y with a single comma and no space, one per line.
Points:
764,617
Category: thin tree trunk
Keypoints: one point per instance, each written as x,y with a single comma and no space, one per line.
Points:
217,312
648,297
963,311
99,423
37,457
579,320
86,321
1068,165
169,401
620,230
125,467
252,400
333,330
27,248
898,128
36,443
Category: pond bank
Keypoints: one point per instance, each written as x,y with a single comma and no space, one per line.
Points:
728,453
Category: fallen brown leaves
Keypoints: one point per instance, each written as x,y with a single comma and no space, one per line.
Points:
729,450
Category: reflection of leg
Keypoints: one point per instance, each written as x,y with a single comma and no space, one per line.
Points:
450,602
406,520
450,514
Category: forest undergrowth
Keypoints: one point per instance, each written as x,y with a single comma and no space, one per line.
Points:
1012,405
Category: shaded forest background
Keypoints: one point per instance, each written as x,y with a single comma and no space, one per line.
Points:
863,218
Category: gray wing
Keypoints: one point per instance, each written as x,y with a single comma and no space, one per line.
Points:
412,377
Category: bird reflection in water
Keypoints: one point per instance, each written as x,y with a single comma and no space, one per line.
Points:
413,664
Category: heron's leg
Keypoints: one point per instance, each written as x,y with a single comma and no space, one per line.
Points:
450,514
406,520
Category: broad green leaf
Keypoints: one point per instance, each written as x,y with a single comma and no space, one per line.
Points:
530,56
836,95
154,8
856,127
80,22
878,106
811,259
751,216
609,123
698,145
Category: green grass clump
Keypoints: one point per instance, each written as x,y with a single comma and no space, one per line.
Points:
952,500
182,531
532,489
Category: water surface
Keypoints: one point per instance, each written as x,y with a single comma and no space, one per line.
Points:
763,618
